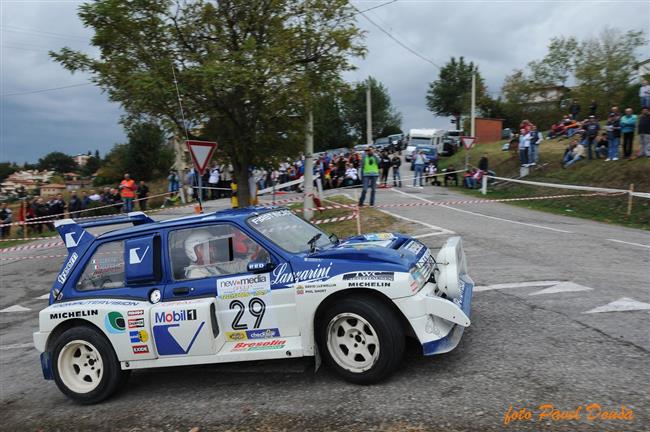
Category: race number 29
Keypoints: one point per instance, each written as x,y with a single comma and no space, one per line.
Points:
256,307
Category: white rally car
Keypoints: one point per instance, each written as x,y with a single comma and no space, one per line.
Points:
237,285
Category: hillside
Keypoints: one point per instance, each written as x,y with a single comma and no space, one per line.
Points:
614,174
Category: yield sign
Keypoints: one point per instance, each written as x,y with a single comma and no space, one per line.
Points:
201,152
468,142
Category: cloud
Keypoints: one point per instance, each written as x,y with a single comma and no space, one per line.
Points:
499,36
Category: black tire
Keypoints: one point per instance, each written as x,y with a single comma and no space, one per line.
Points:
385,324
113,377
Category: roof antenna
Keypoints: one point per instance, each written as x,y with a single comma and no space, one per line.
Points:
187,135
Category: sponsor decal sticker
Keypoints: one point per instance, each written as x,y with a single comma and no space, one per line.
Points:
414,247
114,322
268,216
263,333
175,316
74,314
136,312
167,344
379,236
140,349
235,336
108,302
300,289
282,274
366,284
370,275
243,286
136,323
63,276
259,346
139,336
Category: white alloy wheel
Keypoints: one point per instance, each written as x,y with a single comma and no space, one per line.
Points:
80,366
352,342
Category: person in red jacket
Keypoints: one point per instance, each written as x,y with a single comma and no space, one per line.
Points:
127,192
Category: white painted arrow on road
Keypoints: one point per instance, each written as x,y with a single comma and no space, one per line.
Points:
515,285
15,308
562,287
623,304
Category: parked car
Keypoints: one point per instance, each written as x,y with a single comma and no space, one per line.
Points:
234,286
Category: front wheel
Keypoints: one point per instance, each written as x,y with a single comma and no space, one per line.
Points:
361,338
85,366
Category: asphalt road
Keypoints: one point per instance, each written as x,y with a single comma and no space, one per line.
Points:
560,317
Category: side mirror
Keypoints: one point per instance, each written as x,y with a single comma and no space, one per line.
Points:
260,266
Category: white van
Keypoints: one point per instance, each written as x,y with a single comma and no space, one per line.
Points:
427,137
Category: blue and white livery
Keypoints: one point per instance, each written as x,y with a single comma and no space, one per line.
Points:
239,285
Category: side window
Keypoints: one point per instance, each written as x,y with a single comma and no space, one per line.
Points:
105,269
216,250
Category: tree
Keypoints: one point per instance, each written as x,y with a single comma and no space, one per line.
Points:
330,128
558,64
450,94
240,66
92,165
6,169
57,161
383,112
605,64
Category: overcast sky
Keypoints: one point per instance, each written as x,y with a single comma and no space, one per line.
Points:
498,35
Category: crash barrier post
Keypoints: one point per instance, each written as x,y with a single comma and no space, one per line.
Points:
484,185
629,199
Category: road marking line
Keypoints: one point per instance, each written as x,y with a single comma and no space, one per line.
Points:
630,243
43,297
15,308
16,346
427,235
516,285
624,304
487,216
562,287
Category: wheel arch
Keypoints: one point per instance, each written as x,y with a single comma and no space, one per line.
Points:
362,292
68,324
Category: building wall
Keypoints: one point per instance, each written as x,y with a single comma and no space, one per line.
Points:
488,130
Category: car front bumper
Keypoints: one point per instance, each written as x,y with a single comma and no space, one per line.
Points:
438,323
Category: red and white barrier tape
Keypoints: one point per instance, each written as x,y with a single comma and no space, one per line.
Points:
34,246
336,219
34,257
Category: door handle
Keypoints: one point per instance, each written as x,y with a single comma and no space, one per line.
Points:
181,291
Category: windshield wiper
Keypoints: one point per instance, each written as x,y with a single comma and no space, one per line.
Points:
312,242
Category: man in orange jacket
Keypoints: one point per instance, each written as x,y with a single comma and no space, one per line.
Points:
127,192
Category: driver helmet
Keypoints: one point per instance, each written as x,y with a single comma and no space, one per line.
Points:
195,245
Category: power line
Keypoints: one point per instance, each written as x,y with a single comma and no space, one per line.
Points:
17,29
374,7
45,90
399,42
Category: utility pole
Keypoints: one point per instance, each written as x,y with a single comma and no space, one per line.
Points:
308,184
472,117
368,114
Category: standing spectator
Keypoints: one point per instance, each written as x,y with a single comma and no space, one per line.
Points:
205,181
5,220
143,193
94,196
213,181
574,109
115,198
628,124
396,162
369,173
644,133
85,200
524,147
483,163
75,205
192,179
593,107
172,182
613,128
591,133
57,206
644,94
127,192
418,163
535,139
385,164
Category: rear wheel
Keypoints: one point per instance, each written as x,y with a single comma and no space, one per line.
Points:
361,339
85,366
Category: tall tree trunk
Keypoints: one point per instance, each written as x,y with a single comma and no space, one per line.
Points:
243,192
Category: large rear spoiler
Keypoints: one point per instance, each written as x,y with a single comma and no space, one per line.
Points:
75,235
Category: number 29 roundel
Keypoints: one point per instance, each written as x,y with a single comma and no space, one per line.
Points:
243,301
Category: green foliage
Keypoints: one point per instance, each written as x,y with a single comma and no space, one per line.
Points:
330,128
57,161
6,169
245,70
390,130
558,64
450,94
383,113
91,167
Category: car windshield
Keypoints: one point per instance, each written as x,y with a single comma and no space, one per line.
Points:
288,231
427,150
416,141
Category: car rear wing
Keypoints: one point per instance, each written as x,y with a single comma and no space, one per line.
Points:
74,234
